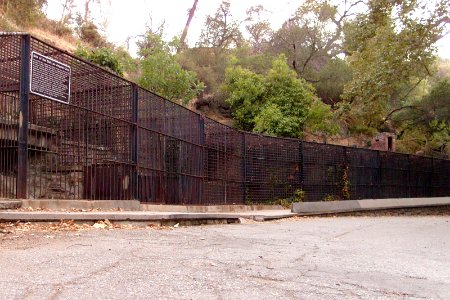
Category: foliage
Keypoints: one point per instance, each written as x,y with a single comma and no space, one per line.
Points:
88,33
436,103
312,36
442,71
258,28
312,40
389,46
286,203
245,56
23,12
104,57
425,124
129,65
288,100
329,197
297,196
345,190
221,31
321,120
161,72
209,65
56,27
278,104
245,92
331,79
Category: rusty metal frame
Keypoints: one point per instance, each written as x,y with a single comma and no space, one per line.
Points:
116,140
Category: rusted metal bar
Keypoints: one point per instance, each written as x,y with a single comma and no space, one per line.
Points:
115,140
134,141
22,157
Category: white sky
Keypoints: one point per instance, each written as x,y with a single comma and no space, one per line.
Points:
128,18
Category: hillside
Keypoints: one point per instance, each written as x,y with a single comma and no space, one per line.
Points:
294,81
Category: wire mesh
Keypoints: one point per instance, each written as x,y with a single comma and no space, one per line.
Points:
9,113
115,140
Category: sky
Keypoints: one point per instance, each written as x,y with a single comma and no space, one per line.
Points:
128,18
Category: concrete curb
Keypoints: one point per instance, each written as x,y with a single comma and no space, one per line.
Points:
44,216
55,204
307,208
10,204
134,205
208,208
112,216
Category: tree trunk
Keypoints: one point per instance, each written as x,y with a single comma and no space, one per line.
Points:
186,28
86,10
65,8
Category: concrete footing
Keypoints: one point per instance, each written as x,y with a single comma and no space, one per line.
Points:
310,208
134,205
52,204
10,204
208,208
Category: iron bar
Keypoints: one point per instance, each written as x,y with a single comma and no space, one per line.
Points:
22,156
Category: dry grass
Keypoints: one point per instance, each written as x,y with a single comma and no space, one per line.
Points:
65,43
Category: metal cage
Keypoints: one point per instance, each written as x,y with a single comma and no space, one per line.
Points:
115,140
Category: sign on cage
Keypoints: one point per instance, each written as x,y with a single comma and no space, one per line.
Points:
50,78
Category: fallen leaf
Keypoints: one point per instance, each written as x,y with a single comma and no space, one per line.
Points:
99,225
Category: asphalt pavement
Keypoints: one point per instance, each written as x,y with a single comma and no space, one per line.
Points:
305,258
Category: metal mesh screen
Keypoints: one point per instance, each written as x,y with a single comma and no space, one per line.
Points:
115,140
80,150
9,112
169,152
272,168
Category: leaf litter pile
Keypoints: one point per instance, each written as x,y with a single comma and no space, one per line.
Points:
18,229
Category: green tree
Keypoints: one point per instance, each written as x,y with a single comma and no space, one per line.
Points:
258,28
88,33
321,120
209,65
221,31
312,40
246,93
161,73
286,96
23,12
424,125
278,104
331,80
389,46
104,57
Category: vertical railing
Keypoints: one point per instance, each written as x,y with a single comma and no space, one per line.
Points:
244,169
409,176
425,177
380,175
134,142
22,157
301,165
203,157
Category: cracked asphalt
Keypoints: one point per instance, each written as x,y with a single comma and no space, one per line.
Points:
309,258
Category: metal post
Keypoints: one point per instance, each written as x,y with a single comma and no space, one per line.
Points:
409,176
380,172
22,155
134,141
244,168
302,166
432,191
203,157
225,180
